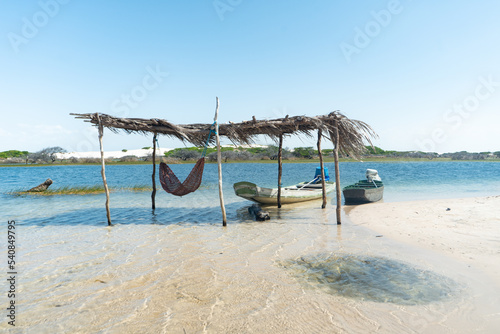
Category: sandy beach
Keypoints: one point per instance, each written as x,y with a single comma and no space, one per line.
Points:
463,233
389,270
466,229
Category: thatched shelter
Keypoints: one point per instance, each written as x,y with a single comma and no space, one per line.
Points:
242,133
348,136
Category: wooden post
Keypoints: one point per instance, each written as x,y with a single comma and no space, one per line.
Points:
323,185
153,177
219,161
280,172
103,167
335,140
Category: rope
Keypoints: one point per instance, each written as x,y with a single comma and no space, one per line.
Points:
212,130
157,145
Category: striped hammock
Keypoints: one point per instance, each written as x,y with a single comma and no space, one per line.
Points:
171,184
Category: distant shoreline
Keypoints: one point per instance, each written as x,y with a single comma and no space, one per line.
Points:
180,162
233,154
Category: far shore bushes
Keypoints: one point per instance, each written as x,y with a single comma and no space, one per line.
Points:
235,154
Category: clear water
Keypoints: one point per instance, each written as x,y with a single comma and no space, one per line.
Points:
403,181
177,270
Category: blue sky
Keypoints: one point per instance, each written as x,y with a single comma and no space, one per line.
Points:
424,75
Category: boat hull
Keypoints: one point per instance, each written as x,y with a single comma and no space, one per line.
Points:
363,194
293,194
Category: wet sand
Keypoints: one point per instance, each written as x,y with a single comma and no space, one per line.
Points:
298,273
464,231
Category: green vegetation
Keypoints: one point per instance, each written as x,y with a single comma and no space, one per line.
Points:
80,190
194,153
238,154
305,152
374,150
13,154
124,150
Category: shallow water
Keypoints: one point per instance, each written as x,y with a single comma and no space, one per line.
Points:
375,279
177,270
403,181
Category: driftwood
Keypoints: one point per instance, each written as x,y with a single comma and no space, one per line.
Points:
258,213
42,186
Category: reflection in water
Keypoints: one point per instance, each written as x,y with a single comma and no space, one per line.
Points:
371,278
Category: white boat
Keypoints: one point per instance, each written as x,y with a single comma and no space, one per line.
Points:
297,193
304,191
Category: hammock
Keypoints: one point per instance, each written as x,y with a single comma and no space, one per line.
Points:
171,184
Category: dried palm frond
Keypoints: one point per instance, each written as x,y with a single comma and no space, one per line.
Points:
352,133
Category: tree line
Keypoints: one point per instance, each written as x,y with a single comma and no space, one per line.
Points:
46,155
462,155
49,155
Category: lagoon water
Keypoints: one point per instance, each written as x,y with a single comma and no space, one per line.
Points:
176,270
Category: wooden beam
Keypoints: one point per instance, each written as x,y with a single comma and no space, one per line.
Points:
219,163
153,177
323,185
103,170
280,168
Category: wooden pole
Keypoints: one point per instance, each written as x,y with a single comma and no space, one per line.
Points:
280,171
323,185
219,161
103,169
335,140
153,177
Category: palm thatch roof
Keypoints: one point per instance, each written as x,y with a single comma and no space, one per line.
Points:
352,133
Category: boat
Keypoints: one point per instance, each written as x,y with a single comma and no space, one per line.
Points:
365,191
301,192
